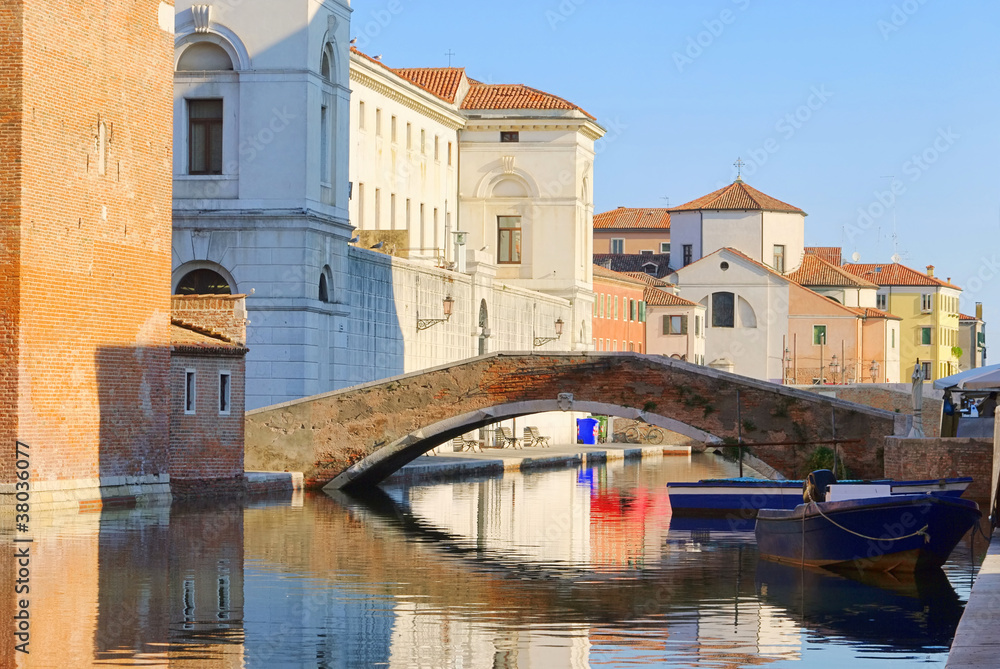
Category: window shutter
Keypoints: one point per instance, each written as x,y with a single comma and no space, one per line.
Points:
666,325
684,324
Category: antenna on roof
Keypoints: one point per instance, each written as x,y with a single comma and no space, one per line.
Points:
449,53
855,256
667,198
895,258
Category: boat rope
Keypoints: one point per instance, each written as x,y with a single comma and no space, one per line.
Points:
921,532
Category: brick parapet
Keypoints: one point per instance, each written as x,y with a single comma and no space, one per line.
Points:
226,314
935,458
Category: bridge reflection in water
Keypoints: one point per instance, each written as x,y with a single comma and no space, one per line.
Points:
571,568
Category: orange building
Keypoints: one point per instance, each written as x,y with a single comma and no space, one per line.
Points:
631,230
619,312
85,234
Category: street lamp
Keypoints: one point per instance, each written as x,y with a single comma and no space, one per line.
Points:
873,370
559,330
789,371
424,323
834,368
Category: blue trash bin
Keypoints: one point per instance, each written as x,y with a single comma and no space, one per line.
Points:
586,431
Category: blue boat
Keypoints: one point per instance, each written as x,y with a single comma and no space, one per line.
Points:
899,533
744,496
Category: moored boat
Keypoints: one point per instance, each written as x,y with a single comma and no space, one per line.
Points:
745,496
895,533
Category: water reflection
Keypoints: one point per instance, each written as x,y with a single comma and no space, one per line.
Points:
561,568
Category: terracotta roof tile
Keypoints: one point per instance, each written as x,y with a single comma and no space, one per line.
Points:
869,312
831,254
442,82
894,274
187,335
606,273
815,271
967,317
738,196
627,218
635,262
513,96
655,297
648,279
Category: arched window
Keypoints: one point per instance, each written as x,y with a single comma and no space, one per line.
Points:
324,294
204,56
203,282
325,68
748,319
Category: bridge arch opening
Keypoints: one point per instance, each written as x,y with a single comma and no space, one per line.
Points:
390,458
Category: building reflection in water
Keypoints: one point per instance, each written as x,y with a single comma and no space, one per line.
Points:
561,568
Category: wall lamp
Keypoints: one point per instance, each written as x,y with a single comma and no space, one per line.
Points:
424,323
545,340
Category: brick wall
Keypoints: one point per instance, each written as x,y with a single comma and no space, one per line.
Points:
206,447
226,314
942,458
887,399
86,143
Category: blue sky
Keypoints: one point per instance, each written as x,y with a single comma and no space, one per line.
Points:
824,101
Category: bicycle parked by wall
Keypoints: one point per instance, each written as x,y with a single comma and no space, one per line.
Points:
643,433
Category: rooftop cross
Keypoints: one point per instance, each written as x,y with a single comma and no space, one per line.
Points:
739,166
449,53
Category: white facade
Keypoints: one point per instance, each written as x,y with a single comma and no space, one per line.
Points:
749,339
662,337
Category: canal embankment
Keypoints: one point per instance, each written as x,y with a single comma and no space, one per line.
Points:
448,465
976,646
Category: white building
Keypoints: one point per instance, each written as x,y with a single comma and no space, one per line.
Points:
265,203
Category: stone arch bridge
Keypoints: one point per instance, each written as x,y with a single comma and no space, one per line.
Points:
356,437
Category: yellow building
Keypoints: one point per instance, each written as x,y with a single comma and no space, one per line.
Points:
929,309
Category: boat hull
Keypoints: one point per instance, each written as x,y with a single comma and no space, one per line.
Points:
744,497
897,533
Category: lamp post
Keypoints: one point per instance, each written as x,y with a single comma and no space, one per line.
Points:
559,330
424,323
873,370
787,363
834,368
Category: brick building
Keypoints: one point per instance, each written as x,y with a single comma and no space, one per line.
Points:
85,231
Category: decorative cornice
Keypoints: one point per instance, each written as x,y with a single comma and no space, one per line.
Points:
406,100
202,15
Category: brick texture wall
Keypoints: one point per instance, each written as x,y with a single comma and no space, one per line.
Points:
86,228
888,399
225,314
206,446
942,458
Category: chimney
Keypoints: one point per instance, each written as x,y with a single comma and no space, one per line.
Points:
930,270
979,311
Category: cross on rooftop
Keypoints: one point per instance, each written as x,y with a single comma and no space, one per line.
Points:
739,166
449,53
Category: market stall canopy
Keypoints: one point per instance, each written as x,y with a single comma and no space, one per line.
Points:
980,378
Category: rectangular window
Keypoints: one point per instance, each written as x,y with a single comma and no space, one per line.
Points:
449,153
688,252
926,369
723,312
881,302
893,332
392,211
378,208
646,253
378,122
409,136
642,311
819,335
664,247
673,325
190,391
510,136
225,391
697,326
616,307
423,141
408,213
925,336
633,312
618,245
508,239
926,303
434,231
600,300
423,228
437,148
361,206
779,258
361,115
324,145
392,128
204,136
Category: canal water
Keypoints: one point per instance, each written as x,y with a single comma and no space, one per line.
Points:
561,568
